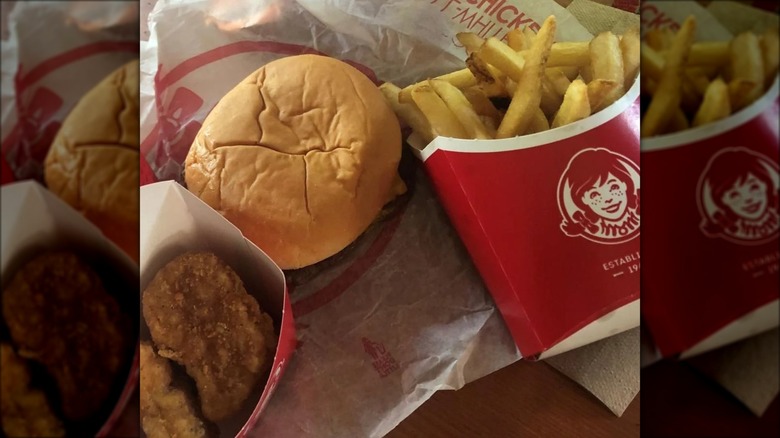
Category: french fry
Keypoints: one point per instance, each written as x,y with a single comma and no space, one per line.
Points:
460,106
575,106
746,63
651,61
698,78
659,39
551,99
711,71
460,78
677,123
607,64
471,41
571,71
481,103
442,119
538,123
739,92
630,46
709,53
667,94
558,79
586,73
490,125
510,86
479,68
493,89
498,54
569,54
598,90
690,98
408,112
770,52
648,85
515,38
715,105
530,35
527,96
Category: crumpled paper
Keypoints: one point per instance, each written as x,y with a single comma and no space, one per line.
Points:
402,312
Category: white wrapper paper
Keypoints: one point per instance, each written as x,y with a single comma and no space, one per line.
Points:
402,312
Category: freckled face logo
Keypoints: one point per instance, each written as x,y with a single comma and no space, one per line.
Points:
738,197
598,197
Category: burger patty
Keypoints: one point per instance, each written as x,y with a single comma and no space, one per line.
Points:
59,314
200,316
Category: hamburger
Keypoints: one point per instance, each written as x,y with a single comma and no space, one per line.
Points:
93,162
301,156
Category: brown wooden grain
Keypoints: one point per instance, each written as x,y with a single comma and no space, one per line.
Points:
522,400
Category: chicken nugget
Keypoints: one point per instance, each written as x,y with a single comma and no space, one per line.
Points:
166,411
25,410
200,316
59,314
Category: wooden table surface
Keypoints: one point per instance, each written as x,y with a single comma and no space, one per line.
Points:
522,400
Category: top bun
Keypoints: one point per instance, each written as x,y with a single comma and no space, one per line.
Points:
301,156
93,162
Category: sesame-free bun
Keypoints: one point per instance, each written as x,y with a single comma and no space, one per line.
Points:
93,162
301,156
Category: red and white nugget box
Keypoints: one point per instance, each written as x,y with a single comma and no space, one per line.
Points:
175,221
35,220
711,231
551,221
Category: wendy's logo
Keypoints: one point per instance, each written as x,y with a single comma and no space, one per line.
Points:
598,197
738,197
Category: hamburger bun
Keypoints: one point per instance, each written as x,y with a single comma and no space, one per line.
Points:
93,162
301,156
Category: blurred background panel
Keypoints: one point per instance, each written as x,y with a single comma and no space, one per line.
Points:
710,228
69,155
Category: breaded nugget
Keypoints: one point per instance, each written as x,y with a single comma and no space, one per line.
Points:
60,315
25,410
200,315
166,412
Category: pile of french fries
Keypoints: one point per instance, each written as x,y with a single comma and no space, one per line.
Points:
696,83
551,84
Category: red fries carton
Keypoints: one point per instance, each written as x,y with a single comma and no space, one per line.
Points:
551,221
710,234
35,220
176,221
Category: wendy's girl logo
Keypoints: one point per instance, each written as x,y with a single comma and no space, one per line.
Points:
738,197
598,197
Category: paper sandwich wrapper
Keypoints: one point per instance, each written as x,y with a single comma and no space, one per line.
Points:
176,221
510,201
34,219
